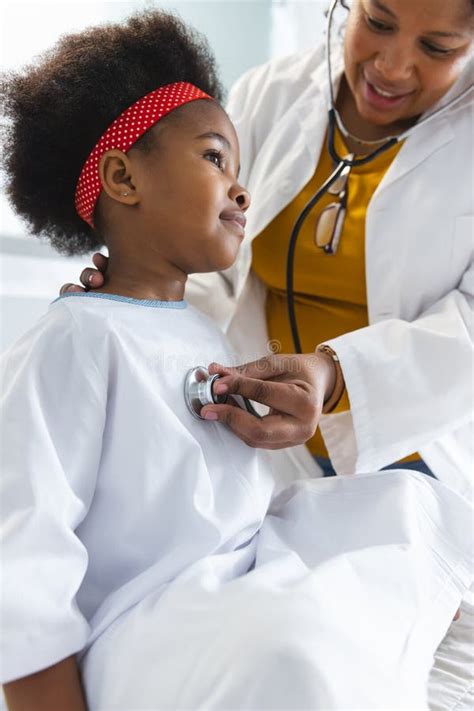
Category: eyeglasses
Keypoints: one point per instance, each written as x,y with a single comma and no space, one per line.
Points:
328,228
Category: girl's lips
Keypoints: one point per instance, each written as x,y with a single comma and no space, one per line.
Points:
235,218
235,227
374,98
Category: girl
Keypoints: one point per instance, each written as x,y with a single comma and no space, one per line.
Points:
130,527
97,385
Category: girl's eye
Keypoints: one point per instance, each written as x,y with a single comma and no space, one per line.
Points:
215,157
377,25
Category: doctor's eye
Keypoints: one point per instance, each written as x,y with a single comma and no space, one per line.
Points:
216,157
436,50
377,25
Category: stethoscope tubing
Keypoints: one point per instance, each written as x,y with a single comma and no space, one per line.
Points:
335,120
290,259
354,162
341,163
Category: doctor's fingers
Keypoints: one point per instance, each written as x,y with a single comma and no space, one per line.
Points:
68,288
288,366
297,398
91,278
273,431
94,278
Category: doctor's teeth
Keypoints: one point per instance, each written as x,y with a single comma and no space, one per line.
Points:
387,94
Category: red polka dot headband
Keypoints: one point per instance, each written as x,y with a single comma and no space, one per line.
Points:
124,132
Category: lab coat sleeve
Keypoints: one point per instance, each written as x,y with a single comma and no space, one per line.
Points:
262,96
409,383
51,420
241,109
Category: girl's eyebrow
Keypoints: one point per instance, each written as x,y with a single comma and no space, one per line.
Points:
217,136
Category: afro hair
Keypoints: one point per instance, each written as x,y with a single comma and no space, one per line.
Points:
56,109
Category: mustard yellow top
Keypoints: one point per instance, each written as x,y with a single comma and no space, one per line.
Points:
330,290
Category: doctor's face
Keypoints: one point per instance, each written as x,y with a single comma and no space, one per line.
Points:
402,56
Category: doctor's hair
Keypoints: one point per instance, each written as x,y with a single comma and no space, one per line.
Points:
56,109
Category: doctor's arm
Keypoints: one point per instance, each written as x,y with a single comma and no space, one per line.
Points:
408,384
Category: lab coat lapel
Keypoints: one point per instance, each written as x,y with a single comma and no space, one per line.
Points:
284,164
293,147
385,238
286,161
415,150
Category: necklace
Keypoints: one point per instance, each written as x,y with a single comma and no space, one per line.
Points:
347,101
360,141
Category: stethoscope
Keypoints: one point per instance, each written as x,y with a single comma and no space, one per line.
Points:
198,386
199,391
342,163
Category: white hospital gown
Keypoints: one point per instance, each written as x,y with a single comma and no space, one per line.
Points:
109,487
138,537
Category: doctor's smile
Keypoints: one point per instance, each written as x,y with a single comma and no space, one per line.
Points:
401,57
383,98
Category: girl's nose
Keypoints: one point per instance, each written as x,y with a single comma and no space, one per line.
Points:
240,196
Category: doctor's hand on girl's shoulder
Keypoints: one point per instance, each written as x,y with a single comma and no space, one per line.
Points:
91,278
294,387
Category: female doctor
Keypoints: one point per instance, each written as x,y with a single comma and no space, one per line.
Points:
381,279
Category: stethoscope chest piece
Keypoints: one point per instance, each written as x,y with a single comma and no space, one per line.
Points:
198,391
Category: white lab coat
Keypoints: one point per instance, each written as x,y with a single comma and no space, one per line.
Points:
409,373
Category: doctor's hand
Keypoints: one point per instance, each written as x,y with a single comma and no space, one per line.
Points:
91,278
294,387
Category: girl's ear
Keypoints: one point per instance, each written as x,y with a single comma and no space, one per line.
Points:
115,170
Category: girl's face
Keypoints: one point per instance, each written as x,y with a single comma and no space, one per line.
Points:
402,56
191,204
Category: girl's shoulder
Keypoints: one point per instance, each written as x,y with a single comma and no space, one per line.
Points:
56,329
69,330
57,353
93,335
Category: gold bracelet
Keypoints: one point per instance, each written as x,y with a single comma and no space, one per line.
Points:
339,386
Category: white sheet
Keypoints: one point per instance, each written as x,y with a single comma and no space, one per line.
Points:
116,507
332,617
451,683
